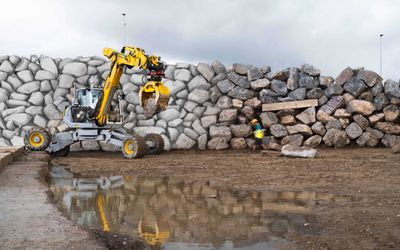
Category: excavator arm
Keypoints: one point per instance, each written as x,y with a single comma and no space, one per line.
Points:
130,57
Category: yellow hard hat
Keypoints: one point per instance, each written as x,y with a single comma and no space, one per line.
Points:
254,121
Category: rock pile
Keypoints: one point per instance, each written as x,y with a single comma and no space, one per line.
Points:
210,105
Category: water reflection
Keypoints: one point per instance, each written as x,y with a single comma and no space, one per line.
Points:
171,213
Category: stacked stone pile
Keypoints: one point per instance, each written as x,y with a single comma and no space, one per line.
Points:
210,105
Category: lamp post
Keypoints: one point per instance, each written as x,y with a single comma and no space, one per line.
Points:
380,61
124,29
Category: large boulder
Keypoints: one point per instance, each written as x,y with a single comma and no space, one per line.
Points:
206,70
296,140
392,88
268,118
238,143
207,121
279,87
182,75
241,93
360,107
332,105
21,119
307,81
199,96
198,82
392,113
25,75
278,130
76,69
310,70
218,143
313,141
354,86
239,80
293,79
345,75
225,86
228,115
388,127
49,65
220,131
299,129
241,130
42,75
335,137
369,77
295,151
169,114
29,87
174,86
354,131
307,116
65,81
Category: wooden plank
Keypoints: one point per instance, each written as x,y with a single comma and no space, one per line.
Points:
290,105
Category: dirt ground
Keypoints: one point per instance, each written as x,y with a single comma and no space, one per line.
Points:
370,220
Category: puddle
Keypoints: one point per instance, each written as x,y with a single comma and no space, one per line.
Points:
171,213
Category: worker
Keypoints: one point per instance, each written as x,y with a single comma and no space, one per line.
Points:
258,134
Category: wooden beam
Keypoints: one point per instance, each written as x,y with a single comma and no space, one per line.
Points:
290,105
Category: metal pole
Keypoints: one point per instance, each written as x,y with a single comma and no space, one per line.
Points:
380,63
124,29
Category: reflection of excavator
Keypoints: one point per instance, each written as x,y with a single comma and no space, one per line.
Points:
89,115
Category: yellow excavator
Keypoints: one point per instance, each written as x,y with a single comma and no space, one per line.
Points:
88,116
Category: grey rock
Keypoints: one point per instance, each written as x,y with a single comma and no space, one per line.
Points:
228,115
6,66
29,87
218,67
253,103
45,86
161,123
254,73
184,142
34,110
183,94
279,87
190,106
220,131
75,68
241,93
169,114
239,80
354,86
377,89
345,75
375,133
376,118
354,130
202,142
217,143
215,94
199,95
299,129
281,75
142,131
360,107
182,75
65,81
224,102
211,111
52,112
133,98
182,65
23,64
173,134
260,84
198,82
326,81
301,152
392,113
335,137
6,86
174,86
17,141
380,101
193,70
307,81
298,94
238,143
293,79
241,130
241,68
296,140
20,119
44,75
313,141
315,93
10,111
25,75
36,98
148,122
332,105
308,116
392,88
191,133
199,110
8,134
388,127
14,81
341,113
367,139
206,70
247,111
225,86
16,103
369,77
190,117
196,125
310,70
278,130
390,141
268,118
218,78
169,72
175,123
18,96
49,65
40,121
207,121
333,89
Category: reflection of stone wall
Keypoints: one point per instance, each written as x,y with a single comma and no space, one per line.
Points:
196,212
211,104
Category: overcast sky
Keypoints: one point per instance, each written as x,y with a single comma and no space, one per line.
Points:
330,35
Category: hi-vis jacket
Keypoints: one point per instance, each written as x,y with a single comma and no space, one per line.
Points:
258,131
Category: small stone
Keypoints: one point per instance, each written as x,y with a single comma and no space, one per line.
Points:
333,124
315,93
247,111
254,73
239,80
380,101
396,149
341,113
215,94
302,152
253,103
240,68
287,120
354,131
281,75
175,123
218,78
326,81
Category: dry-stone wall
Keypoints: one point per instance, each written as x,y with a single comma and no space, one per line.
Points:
210,104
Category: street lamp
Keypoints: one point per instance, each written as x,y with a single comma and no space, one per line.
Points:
124,28
380,64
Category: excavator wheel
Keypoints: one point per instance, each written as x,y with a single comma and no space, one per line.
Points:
61,153
37,139
155,143
134,147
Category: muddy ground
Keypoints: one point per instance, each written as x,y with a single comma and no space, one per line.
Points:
369,220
